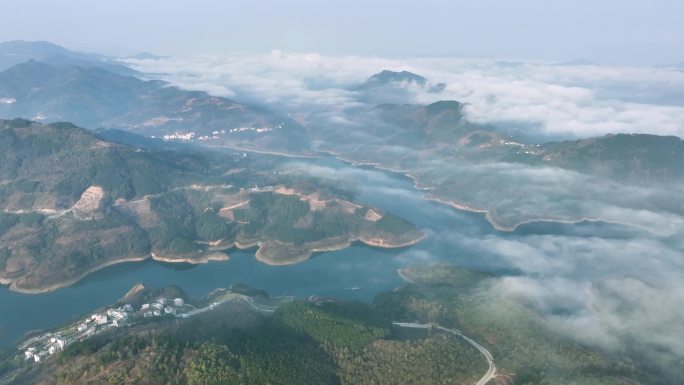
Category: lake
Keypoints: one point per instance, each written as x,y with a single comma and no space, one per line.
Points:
327,274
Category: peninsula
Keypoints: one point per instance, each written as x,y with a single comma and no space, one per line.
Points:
74,203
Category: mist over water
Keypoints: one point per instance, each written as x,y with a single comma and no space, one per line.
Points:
326,274
462,238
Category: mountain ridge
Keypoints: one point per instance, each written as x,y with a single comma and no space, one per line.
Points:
98,98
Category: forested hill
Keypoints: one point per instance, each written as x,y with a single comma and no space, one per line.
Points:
326,341
49,166
72,202
638,158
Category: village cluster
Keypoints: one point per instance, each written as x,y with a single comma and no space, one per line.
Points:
216,134
45,345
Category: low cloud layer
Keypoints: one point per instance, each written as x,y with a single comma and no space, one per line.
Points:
541,98
613,287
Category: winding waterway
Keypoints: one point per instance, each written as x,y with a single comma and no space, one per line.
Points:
328,274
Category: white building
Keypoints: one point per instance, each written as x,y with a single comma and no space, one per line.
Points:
116,314
178,302
145,306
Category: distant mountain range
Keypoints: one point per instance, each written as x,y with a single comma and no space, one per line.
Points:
17,52
634,158
387,129
487,169
94,97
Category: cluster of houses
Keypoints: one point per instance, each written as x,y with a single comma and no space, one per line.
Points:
50,343
38,348
256,129
179,136
214,135
54,345
156,308
188,136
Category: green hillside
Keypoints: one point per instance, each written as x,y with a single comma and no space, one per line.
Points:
326,341
72,203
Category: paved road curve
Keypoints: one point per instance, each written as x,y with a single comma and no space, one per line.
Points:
490,360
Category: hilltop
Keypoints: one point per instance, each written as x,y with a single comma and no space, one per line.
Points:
387,77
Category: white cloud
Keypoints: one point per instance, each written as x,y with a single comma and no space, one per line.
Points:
580,100
612,290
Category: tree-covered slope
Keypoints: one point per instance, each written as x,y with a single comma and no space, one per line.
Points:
326,341
526,349
72,202
637,158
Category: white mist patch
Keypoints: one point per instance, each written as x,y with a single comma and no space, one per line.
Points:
545,98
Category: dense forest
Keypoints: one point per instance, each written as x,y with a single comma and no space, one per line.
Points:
73,202
525,349
326,341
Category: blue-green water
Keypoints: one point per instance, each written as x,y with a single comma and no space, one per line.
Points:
327,274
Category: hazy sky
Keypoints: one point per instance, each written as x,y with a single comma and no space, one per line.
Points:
606,31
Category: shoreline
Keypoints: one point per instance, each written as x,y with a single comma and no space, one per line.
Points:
332,246
378,166
72,281
13,287
487,212
381,244
213,257
265,152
